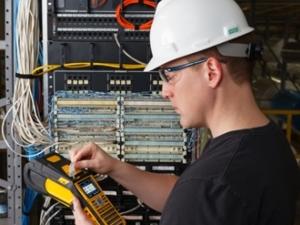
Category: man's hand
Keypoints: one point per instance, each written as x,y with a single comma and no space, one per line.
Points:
80,217
143,184
92,157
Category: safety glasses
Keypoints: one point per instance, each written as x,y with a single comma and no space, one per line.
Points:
163,73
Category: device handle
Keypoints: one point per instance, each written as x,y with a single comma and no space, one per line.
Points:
30,175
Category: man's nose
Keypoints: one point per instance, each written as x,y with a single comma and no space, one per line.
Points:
166,91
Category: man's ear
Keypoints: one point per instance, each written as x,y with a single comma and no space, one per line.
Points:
214,72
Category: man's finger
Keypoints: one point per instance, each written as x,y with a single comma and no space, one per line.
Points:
84,164
79,215
84,152
73,152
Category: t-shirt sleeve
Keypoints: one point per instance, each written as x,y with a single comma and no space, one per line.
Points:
203,202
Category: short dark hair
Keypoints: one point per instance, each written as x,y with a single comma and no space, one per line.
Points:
240,69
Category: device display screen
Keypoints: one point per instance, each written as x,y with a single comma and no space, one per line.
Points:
89,188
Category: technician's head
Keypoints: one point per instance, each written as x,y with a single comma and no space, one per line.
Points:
191,43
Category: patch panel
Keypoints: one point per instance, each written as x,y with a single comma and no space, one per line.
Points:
154,149
91,34
159,138
103,20
83,14
115,119
150,130
143,103
139,157
112,150
157,144
89,6
124,82
80,118
96,27
81,123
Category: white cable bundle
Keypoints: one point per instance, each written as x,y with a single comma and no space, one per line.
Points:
26,127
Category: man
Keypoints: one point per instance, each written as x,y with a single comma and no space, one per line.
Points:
247,173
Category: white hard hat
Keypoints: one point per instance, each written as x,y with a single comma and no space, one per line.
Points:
184,27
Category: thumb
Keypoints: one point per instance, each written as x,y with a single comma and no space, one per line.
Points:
76,205
79,214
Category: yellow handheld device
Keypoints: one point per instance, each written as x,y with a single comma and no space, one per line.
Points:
50,176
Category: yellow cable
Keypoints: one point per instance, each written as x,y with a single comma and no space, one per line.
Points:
133,66
77,65
80,65
44,69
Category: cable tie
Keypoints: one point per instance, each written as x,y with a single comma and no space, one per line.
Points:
27,76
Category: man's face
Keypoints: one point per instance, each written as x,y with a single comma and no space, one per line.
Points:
187,91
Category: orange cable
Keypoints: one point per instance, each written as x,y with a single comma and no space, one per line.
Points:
126,23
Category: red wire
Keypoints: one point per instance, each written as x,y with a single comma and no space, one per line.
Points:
126,23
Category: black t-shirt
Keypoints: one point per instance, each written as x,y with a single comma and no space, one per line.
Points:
244,177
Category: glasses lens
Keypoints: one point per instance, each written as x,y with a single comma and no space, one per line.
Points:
163,75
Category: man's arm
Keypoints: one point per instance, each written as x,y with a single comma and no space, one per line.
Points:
151,188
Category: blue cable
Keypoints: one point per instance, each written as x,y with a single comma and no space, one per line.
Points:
29,199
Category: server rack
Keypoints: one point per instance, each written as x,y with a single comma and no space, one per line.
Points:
13,183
